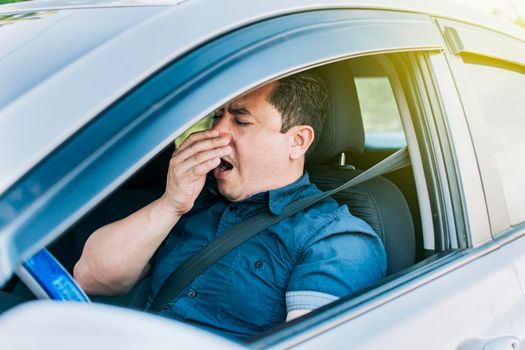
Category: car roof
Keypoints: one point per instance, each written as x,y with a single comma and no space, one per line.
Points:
58,64
439,8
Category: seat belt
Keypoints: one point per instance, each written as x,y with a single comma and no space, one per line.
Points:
239,233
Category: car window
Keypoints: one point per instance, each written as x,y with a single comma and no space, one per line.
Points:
499,89
379,111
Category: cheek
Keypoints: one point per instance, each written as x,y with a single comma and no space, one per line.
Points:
261,154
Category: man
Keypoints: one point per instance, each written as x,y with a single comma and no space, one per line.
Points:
254,156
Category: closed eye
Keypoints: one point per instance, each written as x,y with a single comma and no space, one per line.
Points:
237,113
218,113
241,123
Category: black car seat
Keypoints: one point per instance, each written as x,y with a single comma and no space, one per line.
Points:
377,201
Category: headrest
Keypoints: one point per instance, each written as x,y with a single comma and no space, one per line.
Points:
343,128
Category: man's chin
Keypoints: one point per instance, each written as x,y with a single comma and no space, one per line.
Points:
231,194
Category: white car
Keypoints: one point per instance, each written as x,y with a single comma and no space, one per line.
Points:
93,94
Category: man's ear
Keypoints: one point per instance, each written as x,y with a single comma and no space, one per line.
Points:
301,137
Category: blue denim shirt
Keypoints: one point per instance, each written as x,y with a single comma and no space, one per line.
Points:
302,262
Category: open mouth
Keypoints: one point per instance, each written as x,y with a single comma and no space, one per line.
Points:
223,169
225,165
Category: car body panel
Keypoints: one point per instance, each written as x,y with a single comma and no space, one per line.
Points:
79,326
39,35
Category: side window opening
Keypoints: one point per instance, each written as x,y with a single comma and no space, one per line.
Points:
382,127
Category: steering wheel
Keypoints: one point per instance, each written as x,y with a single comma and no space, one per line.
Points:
48,279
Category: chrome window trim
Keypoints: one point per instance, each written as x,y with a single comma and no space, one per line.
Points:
511,234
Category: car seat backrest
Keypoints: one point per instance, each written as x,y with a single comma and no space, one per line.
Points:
377,201
344,116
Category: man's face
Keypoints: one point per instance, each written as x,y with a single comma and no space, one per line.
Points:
260,158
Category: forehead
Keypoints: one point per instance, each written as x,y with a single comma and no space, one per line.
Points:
255,97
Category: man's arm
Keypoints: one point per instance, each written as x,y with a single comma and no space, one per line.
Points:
116,256
337,265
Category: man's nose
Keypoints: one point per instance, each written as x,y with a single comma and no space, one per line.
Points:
222,125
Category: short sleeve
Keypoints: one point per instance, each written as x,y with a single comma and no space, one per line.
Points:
334,267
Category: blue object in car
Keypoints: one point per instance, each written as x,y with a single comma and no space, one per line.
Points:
48,279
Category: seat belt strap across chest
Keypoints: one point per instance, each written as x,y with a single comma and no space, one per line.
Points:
239,233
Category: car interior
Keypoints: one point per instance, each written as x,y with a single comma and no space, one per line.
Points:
388,203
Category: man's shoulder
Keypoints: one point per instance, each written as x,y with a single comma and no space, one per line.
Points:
329,217
321,220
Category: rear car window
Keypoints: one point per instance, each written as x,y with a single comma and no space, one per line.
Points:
379,111
499,88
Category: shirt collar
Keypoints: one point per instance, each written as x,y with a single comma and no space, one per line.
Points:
281,197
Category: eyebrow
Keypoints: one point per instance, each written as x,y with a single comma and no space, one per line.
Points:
239,111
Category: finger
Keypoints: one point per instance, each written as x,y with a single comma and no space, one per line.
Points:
196,136
203,157
201,146
202,169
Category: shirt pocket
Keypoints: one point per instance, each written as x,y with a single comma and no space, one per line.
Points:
256,287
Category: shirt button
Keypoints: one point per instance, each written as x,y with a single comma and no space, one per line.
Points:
192,294
259,264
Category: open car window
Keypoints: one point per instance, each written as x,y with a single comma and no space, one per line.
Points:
377,202
148,182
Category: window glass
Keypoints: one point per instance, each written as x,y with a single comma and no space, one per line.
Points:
500,90
381,119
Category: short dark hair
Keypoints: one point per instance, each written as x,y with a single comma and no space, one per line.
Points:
302,99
